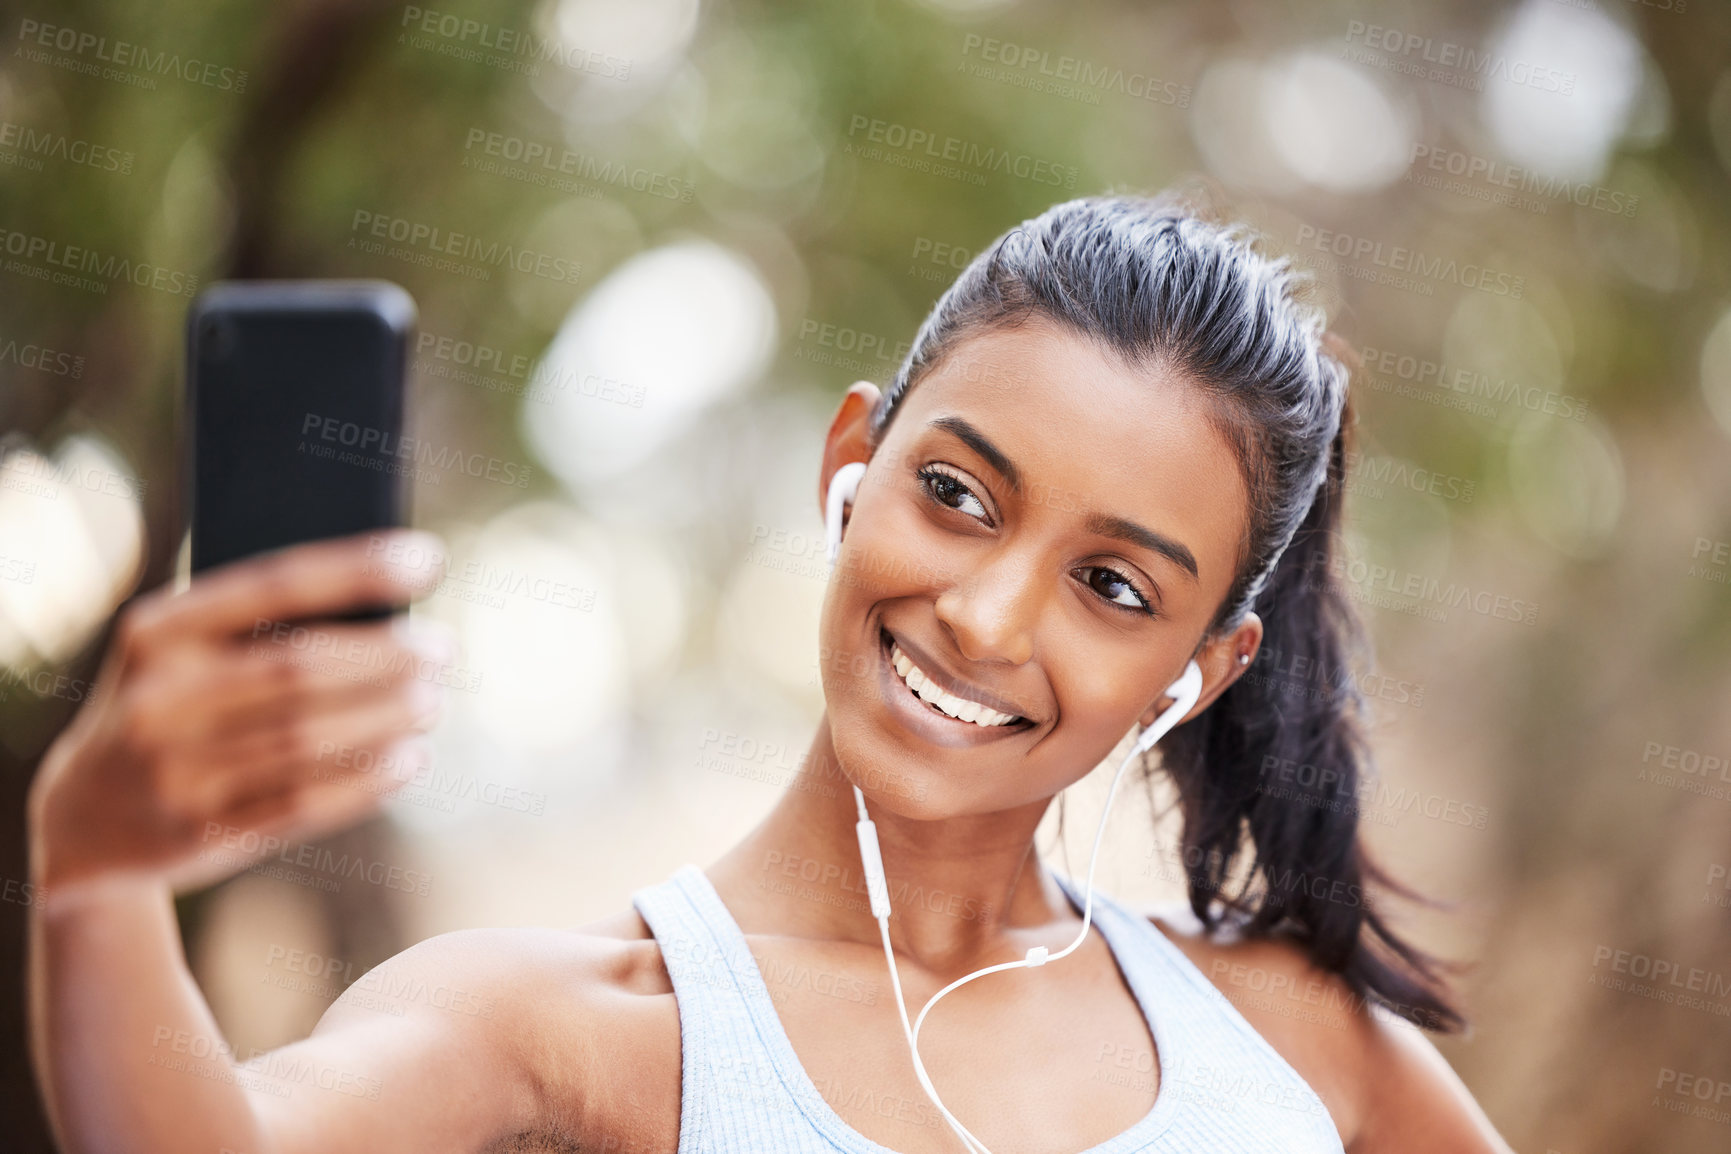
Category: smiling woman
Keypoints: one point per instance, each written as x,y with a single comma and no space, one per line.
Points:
1166,326
1116,448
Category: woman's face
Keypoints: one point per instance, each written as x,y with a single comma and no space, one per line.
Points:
1043,530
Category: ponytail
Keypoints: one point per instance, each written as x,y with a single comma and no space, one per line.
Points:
1272,772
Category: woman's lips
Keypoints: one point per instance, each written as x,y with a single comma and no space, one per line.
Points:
926,719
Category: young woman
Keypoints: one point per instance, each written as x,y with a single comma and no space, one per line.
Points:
1116,447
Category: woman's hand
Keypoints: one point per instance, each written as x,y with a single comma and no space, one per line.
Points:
235,716
219,731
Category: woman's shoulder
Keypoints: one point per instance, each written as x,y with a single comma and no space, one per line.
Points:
579,1024
1384,1083
529,966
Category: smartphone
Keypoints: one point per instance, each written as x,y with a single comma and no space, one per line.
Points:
295,401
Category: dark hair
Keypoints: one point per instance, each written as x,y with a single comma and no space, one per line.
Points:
1156,281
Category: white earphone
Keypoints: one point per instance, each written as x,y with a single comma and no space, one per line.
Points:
842,488
1185,692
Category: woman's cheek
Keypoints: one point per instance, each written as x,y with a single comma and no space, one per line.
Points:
903,555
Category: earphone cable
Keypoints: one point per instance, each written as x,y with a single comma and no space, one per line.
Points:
1035,957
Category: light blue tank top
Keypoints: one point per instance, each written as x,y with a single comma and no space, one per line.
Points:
1223,1089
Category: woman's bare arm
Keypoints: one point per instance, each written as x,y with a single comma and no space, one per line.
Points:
425,1053
217,711
1416,1103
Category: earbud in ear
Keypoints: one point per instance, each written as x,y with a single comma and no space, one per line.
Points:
1185,692
842,488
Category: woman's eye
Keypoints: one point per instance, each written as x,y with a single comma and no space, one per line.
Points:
949,491
1116,588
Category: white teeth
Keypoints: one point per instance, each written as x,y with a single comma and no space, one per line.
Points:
927,690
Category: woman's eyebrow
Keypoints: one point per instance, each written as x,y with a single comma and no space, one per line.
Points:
981,444
1109,526
1103,524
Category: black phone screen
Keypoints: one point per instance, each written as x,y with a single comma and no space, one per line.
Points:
295,397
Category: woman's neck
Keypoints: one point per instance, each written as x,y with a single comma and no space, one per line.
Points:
960,888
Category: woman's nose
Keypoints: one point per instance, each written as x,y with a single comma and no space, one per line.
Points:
992,610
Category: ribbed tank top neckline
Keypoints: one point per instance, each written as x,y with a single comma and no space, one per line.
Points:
1148,974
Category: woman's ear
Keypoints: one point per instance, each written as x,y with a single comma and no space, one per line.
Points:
849,437
1223,660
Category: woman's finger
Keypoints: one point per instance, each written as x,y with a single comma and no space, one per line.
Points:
205,694
333,744
305,809
318,579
